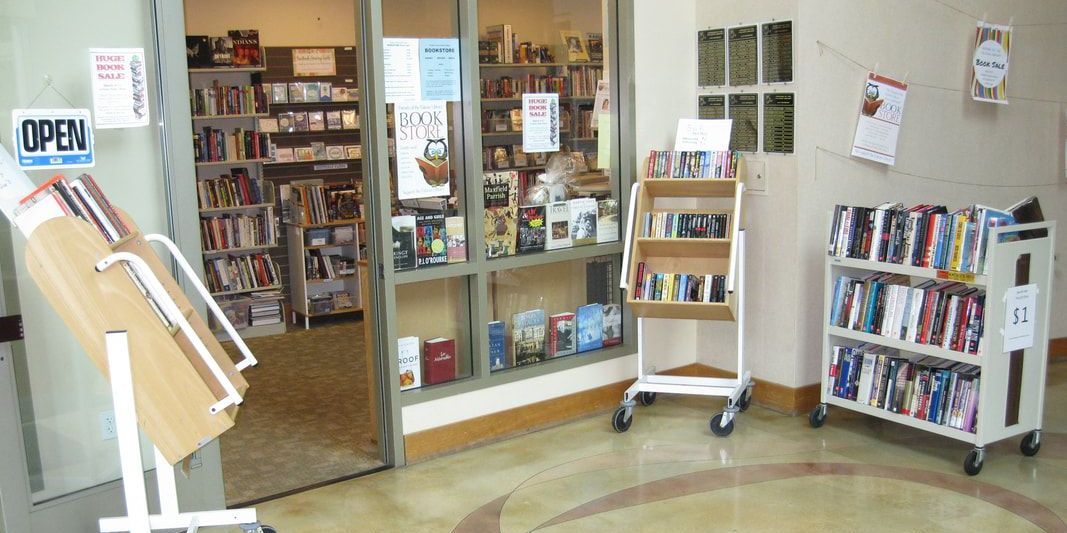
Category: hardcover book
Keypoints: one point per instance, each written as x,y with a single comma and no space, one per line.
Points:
497,351
607,220
198,51
558,219
561,335
575,46
221,51
404,256
501,205
439,360
528,337
531,229
590,320
612,324
456,238
583,213
410,362
246,51
430,238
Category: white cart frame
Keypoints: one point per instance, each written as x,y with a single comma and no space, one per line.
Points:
998,278
737,391
138,519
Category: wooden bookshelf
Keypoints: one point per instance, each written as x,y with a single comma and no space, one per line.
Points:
692,188
245,291
232,162
224,70
235,208
230,117
239,249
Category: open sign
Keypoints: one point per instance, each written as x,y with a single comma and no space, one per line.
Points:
53,138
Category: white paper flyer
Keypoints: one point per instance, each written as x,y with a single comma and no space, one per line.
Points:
540,122
989,74
120,89
879,121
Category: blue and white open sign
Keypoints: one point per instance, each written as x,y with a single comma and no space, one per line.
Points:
53,138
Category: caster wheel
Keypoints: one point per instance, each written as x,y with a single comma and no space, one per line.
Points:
718,429
1031,444
619,422
647,398
818,416
268,529
973,463
745,400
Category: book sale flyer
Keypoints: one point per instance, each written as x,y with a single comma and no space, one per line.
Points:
879,121
120,91
989,77
540,122
421,149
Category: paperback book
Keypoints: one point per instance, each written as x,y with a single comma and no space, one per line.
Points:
612,324
607,220
404,255
558,219
497,349
456,239
410,362
531,229
430,239
501,210
583,222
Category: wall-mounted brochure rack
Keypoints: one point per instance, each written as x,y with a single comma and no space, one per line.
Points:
700,256
180,386
1010,381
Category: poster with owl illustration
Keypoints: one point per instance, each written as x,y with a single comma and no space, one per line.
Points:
421,149
881,110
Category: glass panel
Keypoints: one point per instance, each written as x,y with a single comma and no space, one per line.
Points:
543,174
433,332
533,321
426,148
62,395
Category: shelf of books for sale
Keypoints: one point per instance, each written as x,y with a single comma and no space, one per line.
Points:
687,264
168,373
325,248
939,321
238,219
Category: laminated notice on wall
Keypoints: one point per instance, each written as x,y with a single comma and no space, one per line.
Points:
879,121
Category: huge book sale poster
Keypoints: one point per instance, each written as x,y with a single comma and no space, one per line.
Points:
421,149
120,90
743,50
711,106
777,50
711,58
540,122
881,110
744,111
778,122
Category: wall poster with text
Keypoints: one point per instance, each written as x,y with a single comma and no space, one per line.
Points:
879,123
421,149
989,73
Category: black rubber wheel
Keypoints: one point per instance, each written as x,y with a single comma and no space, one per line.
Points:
619,422
1030,444
718,429
818,416
972,465
647,398
745,400
267,529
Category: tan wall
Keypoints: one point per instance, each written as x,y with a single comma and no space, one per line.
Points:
304,23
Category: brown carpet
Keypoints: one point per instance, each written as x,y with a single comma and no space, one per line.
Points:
305,416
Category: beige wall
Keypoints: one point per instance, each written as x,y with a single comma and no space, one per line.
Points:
945,135
304,23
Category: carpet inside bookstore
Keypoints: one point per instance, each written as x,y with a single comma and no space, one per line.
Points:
305,416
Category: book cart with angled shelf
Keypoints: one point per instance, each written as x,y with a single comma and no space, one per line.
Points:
1010,384
238,221
168,373
651,248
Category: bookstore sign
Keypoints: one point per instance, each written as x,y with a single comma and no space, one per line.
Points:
53,138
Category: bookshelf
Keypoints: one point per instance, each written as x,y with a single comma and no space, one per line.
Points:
1011,385
699,249
232,191
318,290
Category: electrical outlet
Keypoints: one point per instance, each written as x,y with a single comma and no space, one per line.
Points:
107,425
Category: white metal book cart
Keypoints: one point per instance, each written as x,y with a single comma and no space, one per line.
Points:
693,256
1011,392
176,382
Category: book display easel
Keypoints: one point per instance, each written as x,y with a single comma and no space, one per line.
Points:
180,387
986,392
686,244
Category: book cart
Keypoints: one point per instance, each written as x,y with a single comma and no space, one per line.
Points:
697,255
1012,384
179,385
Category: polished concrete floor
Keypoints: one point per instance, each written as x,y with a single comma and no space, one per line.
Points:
668,473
